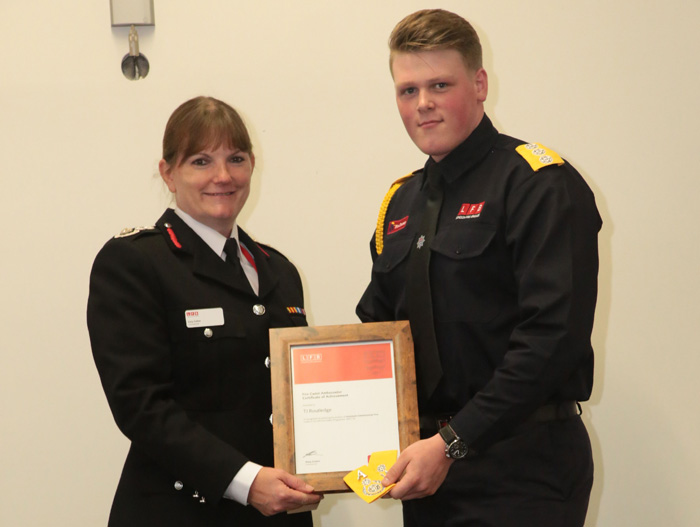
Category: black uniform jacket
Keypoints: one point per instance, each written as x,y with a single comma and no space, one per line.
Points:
513,280
194,401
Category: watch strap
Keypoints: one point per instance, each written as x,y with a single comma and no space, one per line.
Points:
448,434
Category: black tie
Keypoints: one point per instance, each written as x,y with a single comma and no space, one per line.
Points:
420,303
231,250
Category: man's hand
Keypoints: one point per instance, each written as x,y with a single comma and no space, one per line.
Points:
274,491
420,469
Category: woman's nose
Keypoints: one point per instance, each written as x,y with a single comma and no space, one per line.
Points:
222,173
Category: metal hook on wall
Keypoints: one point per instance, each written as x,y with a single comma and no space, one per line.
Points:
133,13
135,66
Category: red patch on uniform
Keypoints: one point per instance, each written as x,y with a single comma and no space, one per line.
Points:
396,225
470,210
173,238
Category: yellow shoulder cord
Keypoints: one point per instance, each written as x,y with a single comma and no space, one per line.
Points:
379,235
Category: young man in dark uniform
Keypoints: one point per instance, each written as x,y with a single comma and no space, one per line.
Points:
491,252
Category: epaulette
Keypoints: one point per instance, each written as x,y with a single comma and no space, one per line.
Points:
379,235
131,231
539,156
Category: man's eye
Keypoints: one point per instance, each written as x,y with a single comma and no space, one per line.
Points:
409,91
441,85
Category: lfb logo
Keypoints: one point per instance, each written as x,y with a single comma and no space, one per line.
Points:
470,210
311,357
191,313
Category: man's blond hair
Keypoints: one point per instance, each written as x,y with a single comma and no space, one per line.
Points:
436,29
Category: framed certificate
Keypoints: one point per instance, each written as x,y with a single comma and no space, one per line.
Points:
340,393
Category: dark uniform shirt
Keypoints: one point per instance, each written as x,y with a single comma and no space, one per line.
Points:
513,279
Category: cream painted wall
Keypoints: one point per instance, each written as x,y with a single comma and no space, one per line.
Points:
611,85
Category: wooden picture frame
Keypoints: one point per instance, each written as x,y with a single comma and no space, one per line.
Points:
314,343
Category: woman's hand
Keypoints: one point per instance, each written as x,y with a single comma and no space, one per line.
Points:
274,491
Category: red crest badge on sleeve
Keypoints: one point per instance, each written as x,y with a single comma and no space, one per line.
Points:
396,225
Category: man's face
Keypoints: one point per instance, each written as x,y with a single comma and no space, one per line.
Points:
440,101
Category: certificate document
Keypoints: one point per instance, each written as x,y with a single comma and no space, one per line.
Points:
340,394
345,406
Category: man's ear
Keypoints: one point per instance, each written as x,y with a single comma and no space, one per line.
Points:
481,81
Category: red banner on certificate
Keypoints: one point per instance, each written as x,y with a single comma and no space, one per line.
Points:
342,363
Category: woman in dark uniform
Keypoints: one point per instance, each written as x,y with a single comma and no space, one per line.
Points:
178,316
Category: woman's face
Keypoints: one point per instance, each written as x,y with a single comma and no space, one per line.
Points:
212,185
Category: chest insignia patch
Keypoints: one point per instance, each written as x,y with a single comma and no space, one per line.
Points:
396,225
469,211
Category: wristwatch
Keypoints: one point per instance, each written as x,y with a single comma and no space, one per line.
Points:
455,448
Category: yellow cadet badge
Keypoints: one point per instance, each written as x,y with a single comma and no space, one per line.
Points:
366,481
539,156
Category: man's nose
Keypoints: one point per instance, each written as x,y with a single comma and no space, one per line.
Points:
425,101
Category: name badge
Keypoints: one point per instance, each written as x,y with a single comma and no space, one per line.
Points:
196,318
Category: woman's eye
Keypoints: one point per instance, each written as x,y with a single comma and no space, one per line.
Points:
199,161
236,159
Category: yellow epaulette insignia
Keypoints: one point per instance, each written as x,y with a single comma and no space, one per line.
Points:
539,156
379,235
130,231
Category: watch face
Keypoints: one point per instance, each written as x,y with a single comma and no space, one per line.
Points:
457,450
